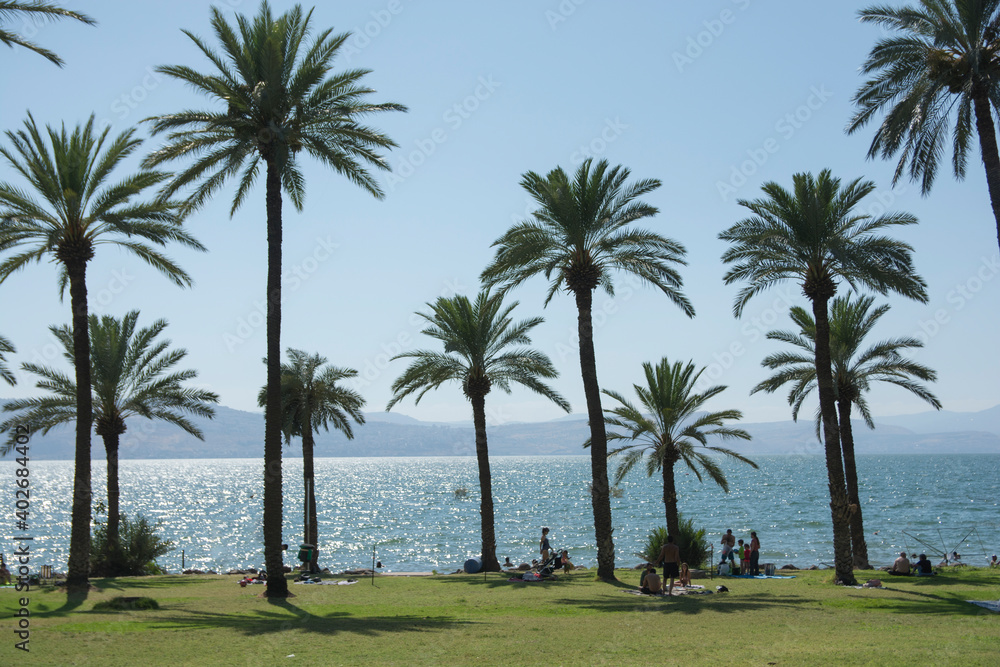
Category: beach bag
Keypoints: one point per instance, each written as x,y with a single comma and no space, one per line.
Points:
769,569
724,568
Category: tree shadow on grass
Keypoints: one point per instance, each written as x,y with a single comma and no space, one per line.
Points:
290,617
502,579
690,603
919,602
112,583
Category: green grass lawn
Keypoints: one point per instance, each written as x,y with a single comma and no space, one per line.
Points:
477,620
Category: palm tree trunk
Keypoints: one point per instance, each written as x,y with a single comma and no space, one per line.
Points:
111,443
277,586
78,568
490,562
309,519
988,147
670,501
600,491
831,435
858,545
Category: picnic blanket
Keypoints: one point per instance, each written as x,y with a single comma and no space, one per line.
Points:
678,590
328,583
761,576
992,605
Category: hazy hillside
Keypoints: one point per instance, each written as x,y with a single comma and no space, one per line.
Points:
238,434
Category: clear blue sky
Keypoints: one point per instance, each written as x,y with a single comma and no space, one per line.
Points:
689,93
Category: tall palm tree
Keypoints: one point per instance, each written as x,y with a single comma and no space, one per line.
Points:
854,371
311,398
577,239
132,376
81,210
941,63
274,98
666,428
815,236
31,11
479,339
6,347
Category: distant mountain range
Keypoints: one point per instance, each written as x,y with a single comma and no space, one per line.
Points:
239,434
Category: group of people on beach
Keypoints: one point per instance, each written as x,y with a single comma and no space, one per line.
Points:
748,552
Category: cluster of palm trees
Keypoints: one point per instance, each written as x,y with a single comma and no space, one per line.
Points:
276,98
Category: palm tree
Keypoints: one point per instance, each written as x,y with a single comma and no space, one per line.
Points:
81,211
311,398
666,428
6,347
943,62
478,340
275,99
28,11
853,373
132,375
815,236
577,239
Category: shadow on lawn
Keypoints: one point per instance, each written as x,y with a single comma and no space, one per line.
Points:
686,604
267,622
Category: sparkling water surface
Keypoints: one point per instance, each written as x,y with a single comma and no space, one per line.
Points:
406,513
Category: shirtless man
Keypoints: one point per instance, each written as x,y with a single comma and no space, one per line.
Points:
650,583
901,565
670,556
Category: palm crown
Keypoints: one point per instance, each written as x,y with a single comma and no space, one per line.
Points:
312,398
666,427
478,338
854,369
814,235
132,376
580,235
276,98
28,11
944,55
81,209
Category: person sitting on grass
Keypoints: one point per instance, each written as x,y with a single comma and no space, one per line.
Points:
650,583
924,567
684,578
901,566
5,573
563,561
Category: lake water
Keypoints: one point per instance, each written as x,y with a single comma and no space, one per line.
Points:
406,509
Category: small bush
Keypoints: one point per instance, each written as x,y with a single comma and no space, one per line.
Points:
691,542
139,548
126,604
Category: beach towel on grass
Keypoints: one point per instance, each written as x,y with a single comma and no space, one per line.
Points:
328,583
992,605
